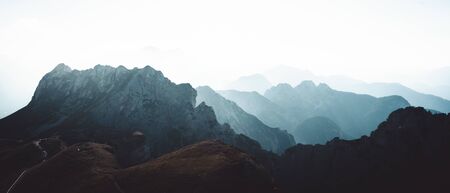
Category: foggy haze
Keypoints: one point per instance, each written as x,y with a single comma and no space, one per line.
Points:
215,43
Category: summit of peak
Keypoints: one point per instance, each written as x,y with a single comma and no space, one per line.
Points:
306,84
61,67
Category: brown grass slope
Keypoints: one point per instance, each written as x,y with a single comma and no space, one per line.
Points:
208,166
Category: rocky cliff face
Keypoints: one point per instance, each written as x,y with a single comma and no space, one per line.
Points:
272,139
108,105
407,153
356,114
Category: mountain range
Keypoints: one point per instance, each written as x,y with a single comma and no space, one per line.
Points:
294,76
415,98
356,114
122,130
110,105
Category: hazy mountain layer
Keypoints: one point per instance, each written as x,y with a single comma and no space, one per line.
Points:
415,98
407,153
226,111
139,112
356,114
254,103
317,130
287,107
434,96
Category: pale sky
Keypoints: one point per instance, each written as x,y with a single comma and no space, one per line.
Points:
213,42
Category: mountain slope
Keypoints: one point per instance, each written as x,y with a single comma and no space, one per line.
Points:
356,114
18,157
109,105
317,130
272,139
254,103
407,153
208,166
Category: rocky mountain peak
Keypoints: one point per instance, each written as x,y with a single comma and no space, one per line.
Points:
280,88
306,85
103,67
206,89
283,86
323,86
104,104
61,67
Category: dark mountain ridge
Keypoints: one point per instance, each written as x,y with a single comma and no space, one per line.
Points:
407,153
208,166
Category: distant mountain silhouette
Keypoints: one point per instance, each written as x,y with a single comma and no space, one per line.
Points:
407,153
255,82
356,114
256,104
139,112
441,90
415,98
435,82
241,122
317,130
286,107
289,75
438,99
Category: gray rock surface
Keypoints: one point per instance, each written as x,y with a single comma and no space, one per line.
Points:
106,104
